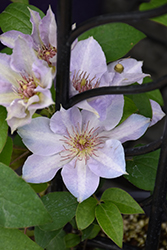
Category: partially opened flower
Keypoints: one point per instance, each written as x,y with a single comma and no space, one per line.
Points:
24,84
125,72
43,38
88,65
78,143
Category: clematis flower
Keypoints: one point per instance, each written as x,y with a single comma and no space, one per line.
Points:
78,143
43,38
127,71
88,65
24,84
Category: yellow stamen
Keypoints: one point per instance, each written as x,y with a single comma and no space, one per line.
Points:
83,82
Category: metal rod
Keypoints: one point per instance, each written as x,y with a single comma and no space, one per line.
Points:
63,51
108,18
133,89
159,197
144,149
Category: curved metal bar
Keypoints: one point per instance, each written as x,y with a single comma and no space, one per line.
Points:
159,196
108,18
144,149
108,244
133,89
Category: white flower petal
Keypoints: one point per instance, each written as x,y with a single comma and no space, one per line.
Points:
39,139
131,129
157,112
39,169
109,161
79,180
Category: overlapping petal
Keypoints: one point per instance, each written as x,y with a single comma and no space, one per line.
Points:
78,142
39,169
131,129
79,180
39,138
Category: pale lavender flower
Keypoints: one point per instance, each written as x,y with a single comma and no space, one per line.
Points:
24,84
77,142
127,71
43,38
88,65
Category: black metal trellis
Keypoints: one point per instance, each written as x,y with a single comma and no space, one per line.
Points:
65,38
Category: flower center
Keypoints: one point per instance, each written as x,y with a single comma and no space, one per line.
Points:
46,53
26,87
82,143
82,82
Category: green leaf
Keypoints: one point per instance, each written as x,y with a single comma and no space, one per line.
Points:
20,206
57,241
39,187
16,16
90,232
7,51
142,103
110,220
5,155
12,239
3,127
154,94
142,170
116,39
129,108
72,240
20,1
85,213
155,4
43,238
61,206
125,203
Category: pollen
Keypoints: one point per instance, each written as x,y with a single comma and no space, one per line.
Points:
82,81
82,143
26,87
46,53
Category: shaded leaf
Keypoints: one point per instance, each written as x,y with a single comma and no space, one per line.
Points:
5,155
129,108
116,39
155,4
154,94
43,238
61,206
85,213
57,241
12,239
3,127
90,232
125,203
72,240
20,206
142,170
39,187
142,103
110,220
